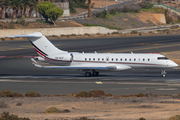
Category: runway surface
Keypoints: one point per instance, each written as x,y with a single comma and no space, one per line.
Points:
18,74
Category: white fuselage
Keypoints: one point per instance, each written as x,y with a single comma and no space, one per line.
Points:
140,60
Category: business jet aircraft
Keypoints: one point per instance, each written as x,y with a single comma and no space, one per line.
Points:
92,63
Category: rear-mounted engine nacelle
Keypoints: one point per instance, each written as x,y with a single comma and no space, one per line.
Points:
39,59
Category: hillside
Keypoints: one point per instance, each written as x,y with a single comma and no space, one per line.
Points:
131,16
123,20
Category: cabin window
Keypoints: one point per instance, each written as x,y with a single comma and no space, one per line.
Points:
85,59
102,59
125,59
56,58
129,59
148,59
89,59
121,59
94,59
162,58
116,59
98,59
143,59
112,59
134,59
139,59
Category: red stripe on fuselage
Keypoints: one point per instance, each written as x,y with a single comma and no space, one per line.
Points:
40,52
102,62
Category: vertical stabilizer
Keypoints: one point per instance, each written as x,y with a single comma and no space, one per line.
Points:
41,44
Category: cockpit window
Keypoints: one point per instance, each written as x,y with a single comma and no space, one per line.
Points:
162,58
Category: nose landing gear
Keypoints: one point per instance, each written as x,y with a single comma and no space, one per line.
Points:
163,73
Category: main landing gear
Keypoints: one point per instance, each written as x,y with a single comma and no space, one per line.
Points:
92,73
163,73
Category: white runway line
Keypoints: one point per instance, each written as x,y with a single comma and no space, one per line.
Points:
166,89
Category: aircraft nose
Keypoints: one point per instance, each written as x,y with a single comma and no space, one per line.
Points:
172,64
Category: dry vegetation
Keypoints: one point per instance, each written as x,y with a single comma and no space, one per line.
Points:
92,105
96,105
22,24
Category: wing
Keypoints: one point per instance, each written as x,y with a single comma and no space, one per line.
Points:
87,67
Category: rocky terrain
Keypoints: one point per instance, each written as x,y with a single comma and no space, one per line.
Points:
124,108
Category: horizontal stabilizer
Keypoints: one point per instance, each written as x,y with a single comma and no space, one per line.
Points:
35,63
36,34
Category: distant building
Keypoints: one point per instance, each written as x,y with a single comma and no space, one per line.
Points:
64,5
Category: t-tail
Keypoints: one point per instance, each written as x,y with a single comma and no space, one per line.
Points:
41,44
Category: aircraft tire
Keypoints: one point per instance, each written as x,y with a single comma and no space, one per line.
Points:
88,74
95,73
163,75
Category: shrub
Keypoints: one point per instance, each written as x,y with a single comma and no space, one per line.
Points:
109,95
112,11
142,118
72,10
19,104
126,9
3,39
134,32
176,117
11,26
140,95
52,110
22,22
102,14
7,93
65,111
115,33
148,5
32,94
3,104
87,34
82,94
96,93
6,116
142,5
83,118
119,9
168,19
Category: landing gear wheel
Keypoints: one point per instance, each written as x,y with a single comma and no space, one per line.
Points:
88,74
163,73
95,73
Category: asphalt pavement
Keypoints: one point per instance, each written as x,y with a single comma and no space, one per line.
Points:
18,74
